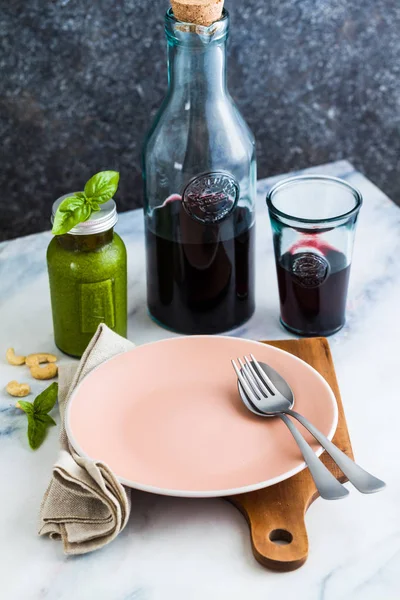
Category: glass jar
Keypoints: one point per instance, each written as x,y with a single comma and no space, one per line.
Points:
88,280
200,187
313,220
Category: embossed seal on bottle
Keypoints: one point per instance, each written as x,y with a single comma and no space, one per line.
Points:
210,197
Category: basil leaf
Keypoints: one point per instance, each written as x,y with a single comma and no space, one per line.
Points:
38,419
36,432
46,400
102,186
72,210
95,206
27,407
46,419
80,195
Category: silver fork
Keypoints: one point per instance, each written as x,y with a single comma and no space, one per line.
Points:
327,485
268,394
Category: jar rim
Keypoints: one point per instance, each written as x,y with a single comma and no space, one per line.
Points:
292,181
98,222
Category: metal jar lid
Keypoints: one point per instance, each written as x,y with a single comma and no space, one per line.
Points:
99,221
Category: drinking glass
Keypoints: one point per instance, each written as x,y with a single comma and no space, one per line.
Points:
313,219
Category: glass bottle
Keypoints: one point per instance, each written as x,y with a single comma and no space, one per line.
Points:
200,186
88,280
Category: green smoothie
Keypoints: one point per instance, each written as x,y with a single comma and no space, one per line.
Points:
88,286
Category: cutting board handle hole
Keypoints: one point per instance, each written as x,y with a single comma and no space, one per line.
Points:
281,537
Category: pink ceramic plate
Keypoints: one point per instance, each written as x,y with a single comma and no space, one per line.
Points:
167,418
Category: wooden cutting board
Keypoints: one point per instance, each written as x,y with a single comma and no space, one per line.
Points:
276,513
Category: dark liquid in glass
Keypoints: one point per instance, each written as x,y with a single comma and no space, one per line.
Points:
313,291
200,277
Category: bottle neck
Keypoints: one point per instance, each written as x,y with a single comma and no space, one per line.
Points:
196,59
196,72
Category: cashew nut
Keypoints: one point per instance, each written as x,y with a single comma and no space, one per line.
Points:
35,359
47,372
12,359
19,390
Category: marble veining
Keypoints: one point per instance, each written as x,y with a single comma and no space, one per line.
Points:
174,548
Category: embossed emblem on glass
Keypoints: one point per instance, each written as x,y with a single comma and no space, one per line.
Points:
211,197
309,270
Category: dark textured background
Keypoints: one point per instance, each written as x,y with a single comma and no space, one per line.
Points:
80,81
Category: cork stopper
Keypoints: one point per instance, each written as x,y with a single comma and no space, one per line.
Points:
199,12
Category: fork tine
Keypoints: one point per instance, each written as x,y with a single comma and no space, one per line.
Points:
250,380
243,381
265,377
265,390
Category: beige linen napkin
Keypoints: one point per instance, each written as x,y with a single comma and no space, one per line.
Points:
84,506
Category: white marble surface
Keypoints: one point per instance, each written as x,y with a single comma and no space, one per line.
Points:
198,549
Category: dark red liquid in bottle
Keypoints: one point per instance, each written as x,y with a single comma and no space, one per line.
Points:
313,291
200,277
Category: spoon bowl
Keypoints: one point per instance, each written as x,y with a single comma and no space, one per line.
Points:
275,406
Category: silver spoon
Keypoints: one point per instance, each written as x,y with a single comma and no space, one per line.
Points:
277,394
327,485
